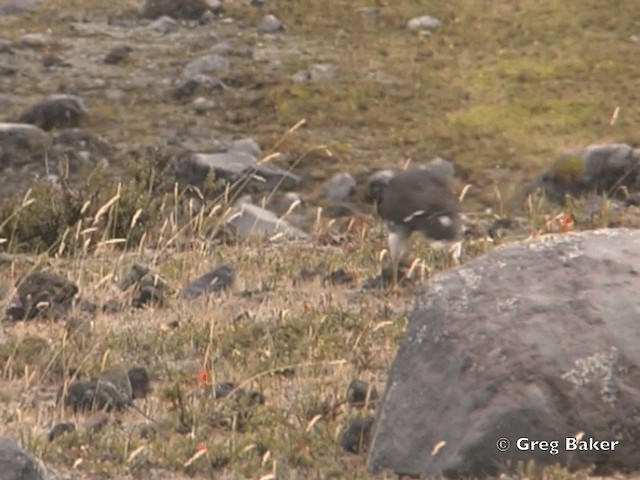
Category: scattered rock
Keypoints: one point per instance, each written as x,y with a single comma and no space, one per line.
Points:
486,357
55,111
18,7
210,63
163,25
198,84
339,277
236,168
356,436
270,24
21,144
41,294
425,22
18,464
359,394
186,9
113,390
595,169
340,187
77,149
249,220
117,54
60,429
217,280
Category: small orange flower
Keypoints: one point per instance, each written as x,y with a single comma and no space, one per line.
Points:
566,222
203,377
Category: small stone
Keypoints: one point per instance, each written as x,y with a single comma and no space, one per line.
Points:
198,84
270,24
148,296
211,63
359,394
60,429
338,277
215,281
117,54
202,105
163,25
223,389
340,187
134,276
140,382
424,22
356,436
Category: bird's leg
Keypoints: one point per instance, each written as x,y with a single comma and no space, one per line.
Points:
397,246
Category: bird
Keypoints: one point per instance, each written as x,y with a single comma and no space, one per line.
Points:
418,200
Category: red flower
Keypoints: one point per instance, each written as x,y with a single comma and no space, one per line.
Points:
566,222
201,447
203,377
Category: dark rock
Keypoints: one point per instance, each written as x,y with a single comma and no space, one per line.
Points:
270,24
18,464
119,379
339,277
198,85
147,296
134,276
359,394
117,54
60,429
140,382
356,436
595,169
186,9
113,306
90,395
55,111
42,294
537,340
215,281
339,187
223,389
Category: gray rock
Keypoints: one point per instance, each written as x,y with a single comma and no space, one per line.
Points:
217,280
424,22
250,220
186,9
18,7
120,381
234,167
270,24
284,203
536,340
55,111
595,169
60,429
18,464
163,25
20,144
245,145
210,63
339,187
202,105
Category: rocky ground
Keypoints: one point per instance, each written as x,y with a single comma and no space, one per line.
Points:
105,106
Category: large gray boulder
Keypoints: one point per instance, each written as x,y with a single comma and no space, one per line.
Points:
536,341
18,464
